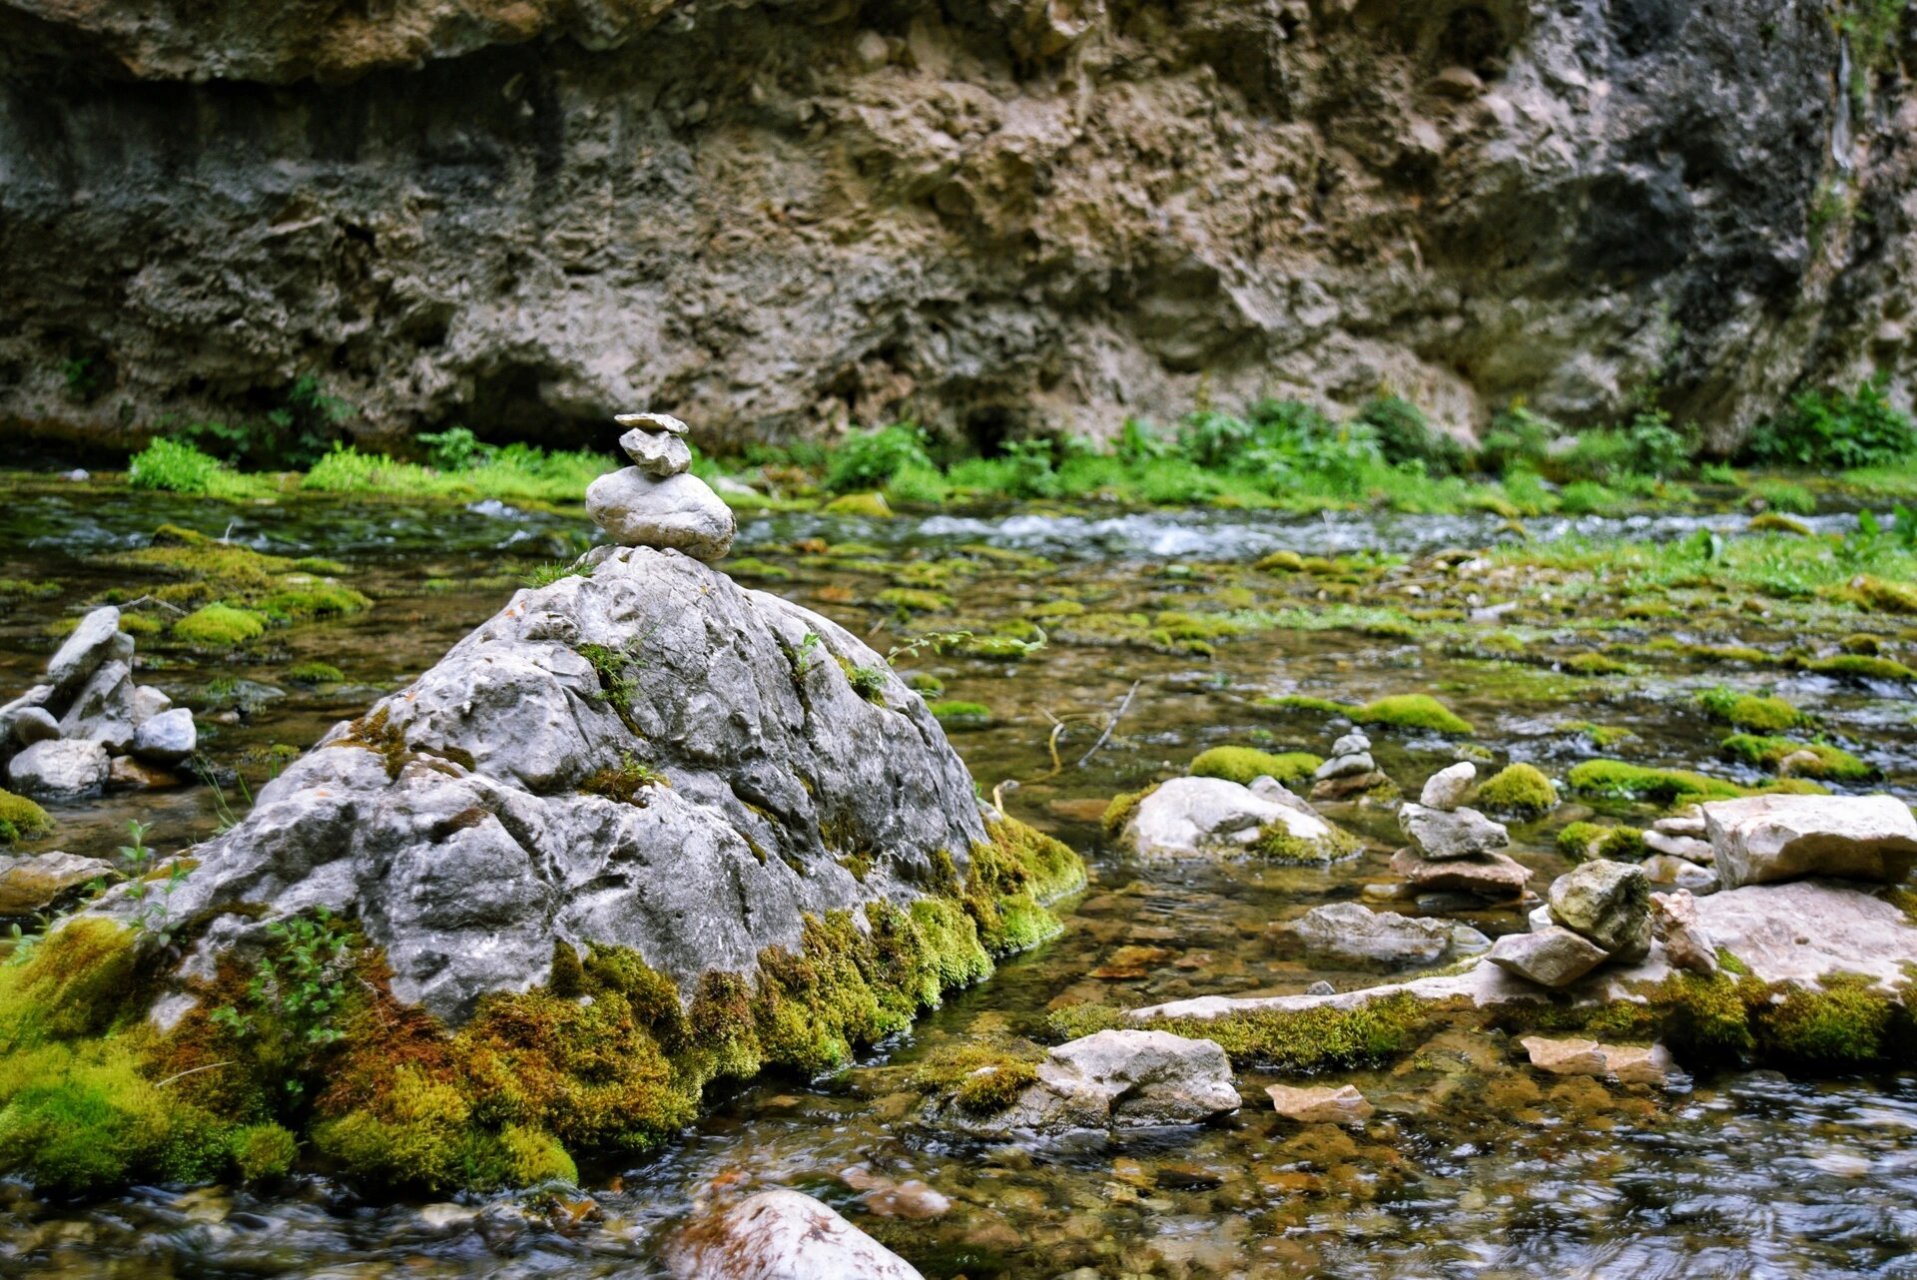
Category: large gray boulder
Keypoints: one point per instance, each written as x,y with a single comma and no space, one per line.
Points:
97,638
103,710
1352,933
1761,839
1118,1080
642,754
780,1235
1451,833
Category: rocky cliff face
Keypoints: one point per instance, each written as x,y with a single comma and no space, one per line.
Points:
996,215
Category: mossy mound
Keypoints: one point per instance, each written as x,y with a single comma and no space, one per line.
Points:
1520,790
1859,666
1244,764
1807,759
1405,710
1753,713
21,819
1616,779
1884,596
961,715
230,593
1581,840
1320,1038
306,1038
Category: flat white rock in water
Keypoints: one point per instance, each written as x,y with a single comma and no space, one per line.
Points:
1352,932
1761,839
1123,1079
780,1235
1190,817
1320,1104
678,513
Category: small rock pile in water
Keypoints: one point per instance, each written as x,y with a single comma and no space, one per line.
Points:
1453,848
88,725
1596,912
1122,1079
655,502
1350,771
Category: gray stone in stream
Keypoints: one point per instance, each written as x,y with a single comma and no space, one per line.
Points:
90,644
102,711
1351,933
1762,839
167,738
1456,834
1122,1079
1607,902
1663,869
34,699
1554,957
1351,744
34,724
657,453
1192,817
1345,765
60,769
453,826
779,1235
679,513
147,703
1269,788
1689,848
30,886
1488,875
1449,787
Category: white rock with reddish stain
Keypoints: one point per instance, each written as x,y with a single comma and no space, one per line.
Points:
780,1235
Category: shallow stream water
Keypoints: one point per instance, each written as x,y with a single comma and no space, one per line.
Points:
1474,1165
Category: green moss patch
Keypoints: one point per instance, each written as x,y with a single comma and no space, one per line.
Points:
21,818
230,593
1320,1038
1618,780
961,715
1406,710
1581,840
1751,712
1809,760
1244,764
1521,790
219,626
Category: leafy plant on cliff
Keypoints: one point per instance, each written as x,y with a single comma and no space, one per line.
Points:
1832,429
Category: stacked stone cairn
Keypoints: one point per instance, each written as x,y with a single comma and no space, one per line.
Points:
1598,911
1455,849
1350,771
87,725
655,502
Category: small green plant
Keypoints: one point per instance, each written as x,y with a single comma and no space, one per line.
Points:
807,654
867,682
936,641
456,449
1836,430
152,916
870,459
545,575
302,980
81,378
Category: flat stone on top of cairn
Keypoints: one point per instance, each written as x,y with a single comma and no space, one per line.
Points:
654,502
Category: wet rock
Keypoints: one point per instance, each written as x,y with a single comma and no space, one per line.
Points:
1689,848
1662,869
1554,957
1345,766
1344,788
1458,833
780,1235
167,738
47,881
97,638
36,698
1607,902
147,703
1450,787
1488,875
1806,930
1466,941
1320,1104
1351,744
657,453
1687,944
453,820
1629,1064
913,1198
60,769
1269,788
1186,817
102,711
128,774
1351,933
34,724
1687,822
1764,839
1124,1079
678,513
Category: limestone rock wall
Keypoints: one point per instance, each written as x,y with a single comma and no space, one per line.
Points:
775,216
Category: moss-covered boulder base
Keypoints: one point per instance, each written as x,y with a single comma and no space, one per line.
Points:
640,831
